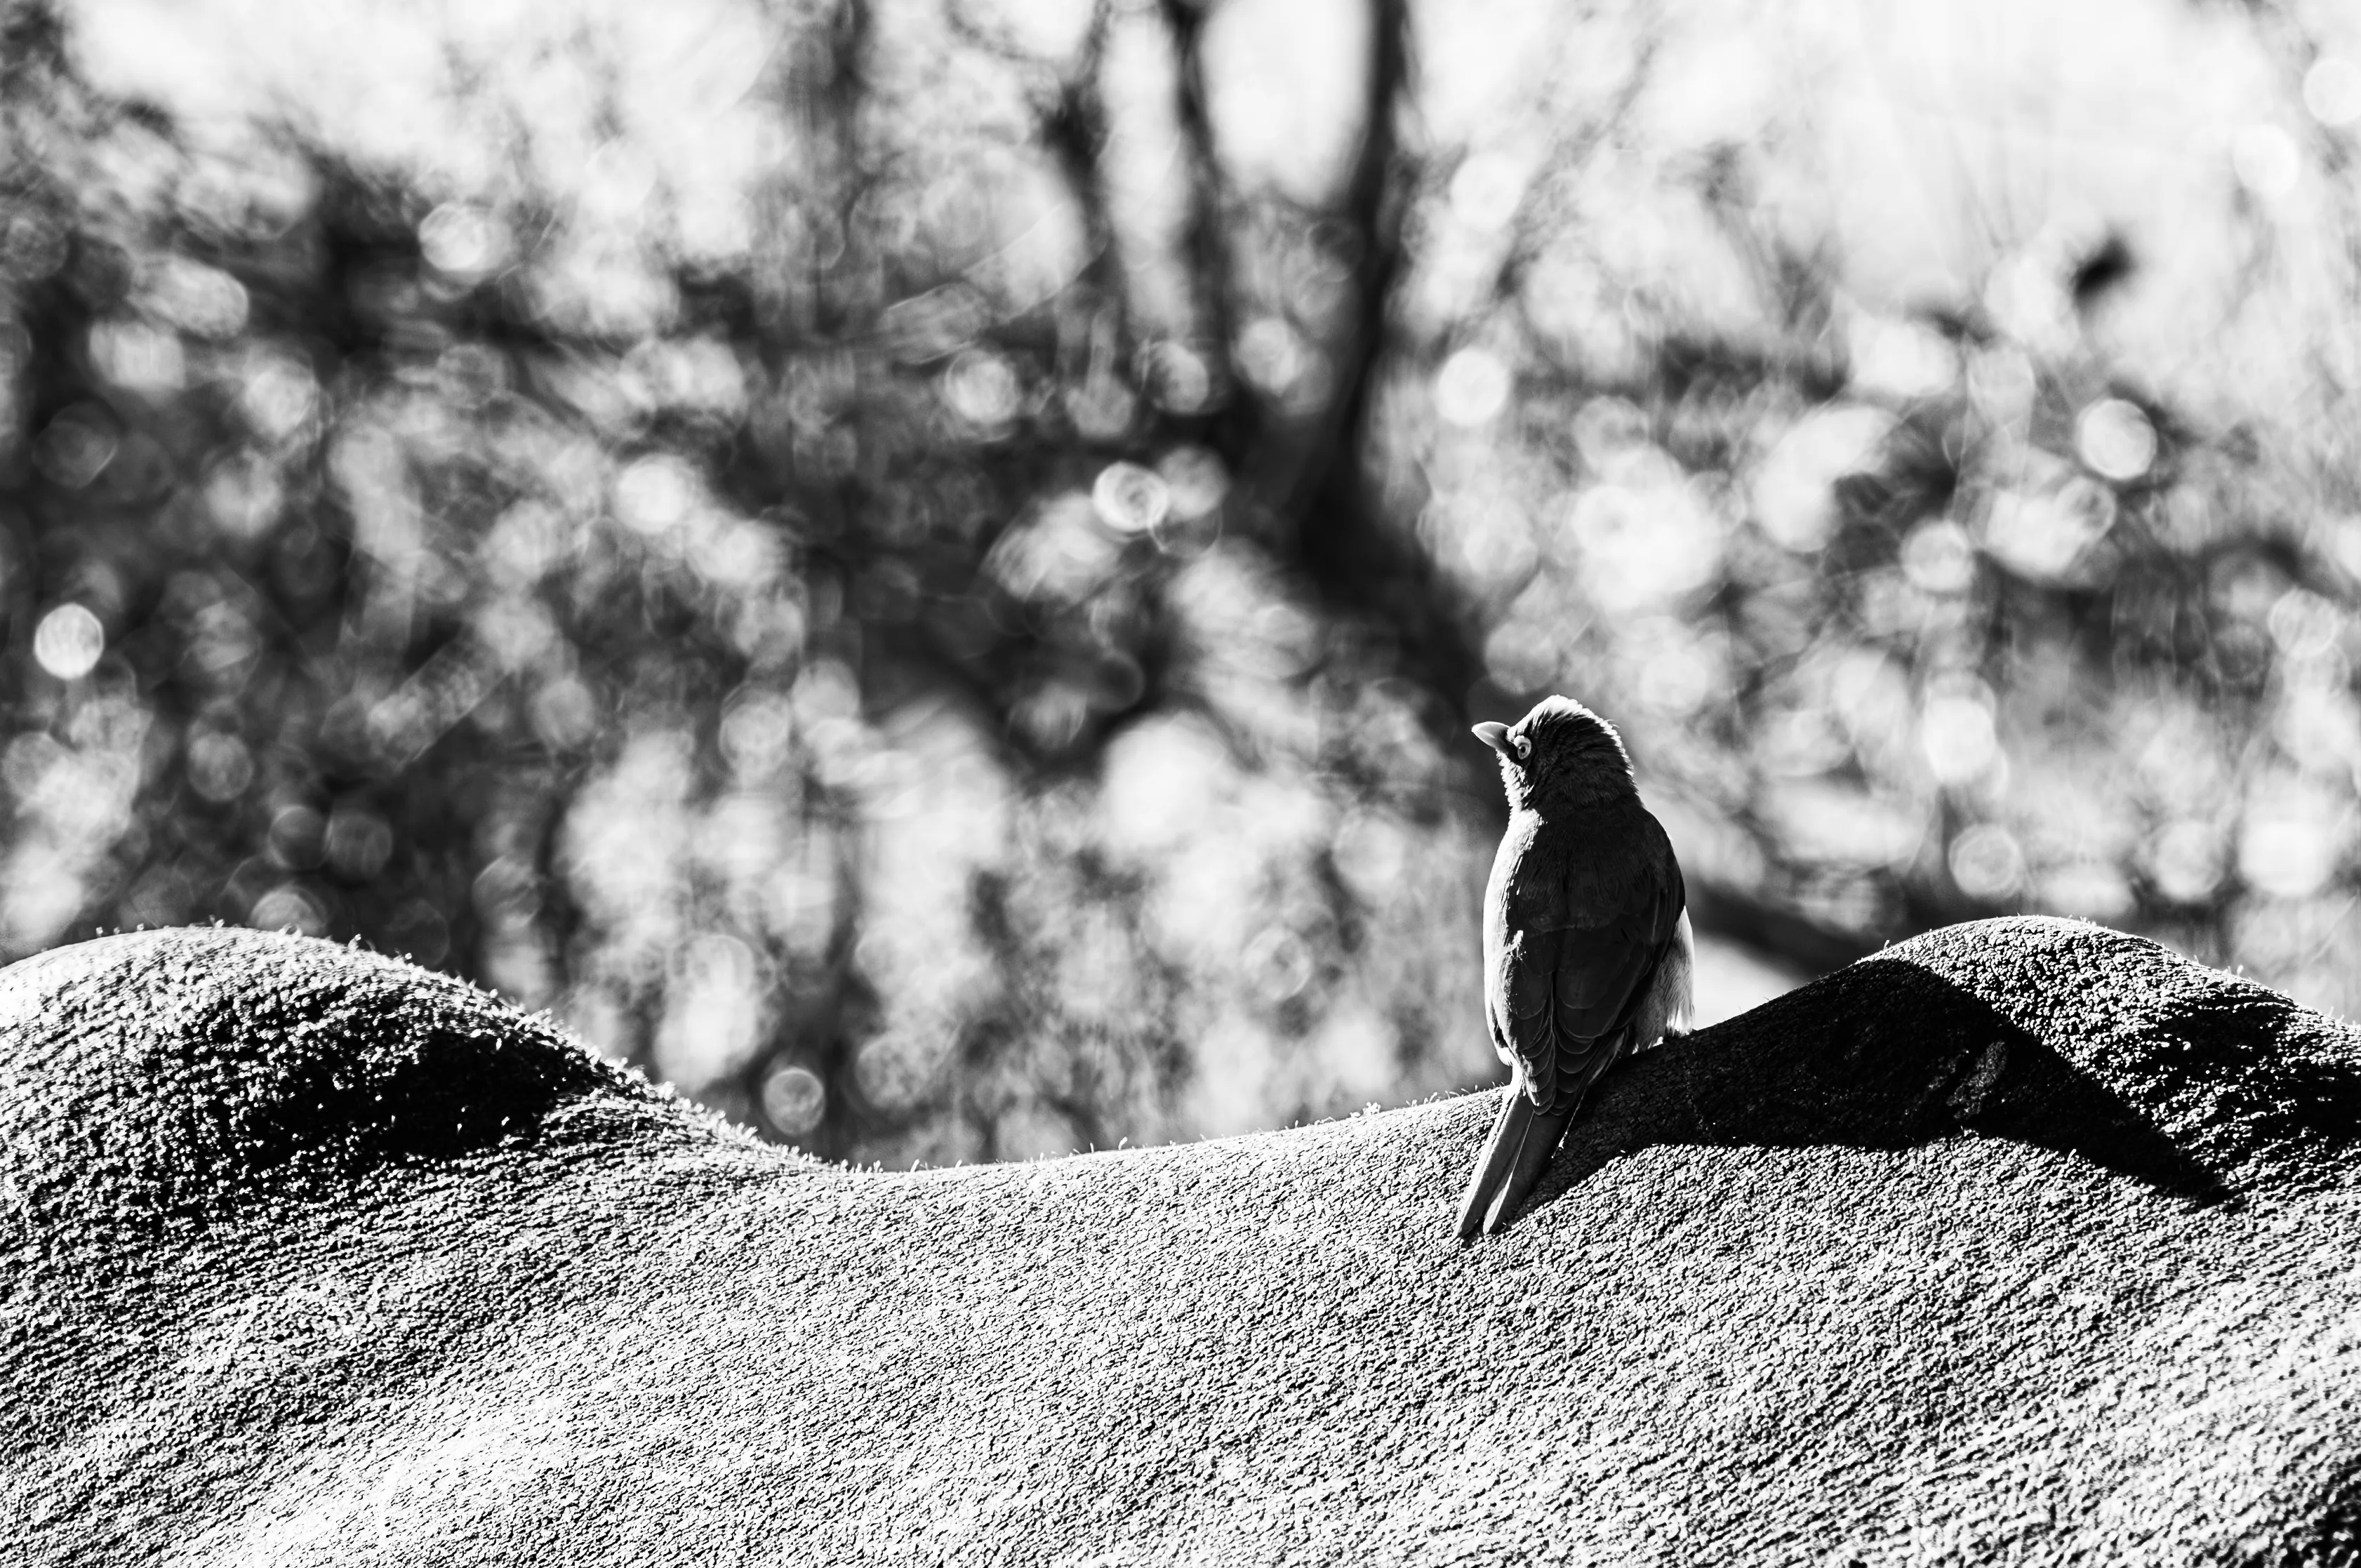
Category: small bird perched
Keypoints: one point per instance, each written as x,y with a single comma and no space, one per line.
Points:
1587,955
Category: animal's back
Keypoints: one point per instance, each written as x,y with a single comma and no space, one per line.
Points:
170,1078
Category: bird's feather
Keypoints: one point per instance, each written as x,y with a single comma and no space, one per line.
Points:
1543,1134
1522,1142
1576,948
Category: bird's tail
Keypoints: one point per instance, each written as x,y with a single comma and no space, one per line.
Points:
1513,1159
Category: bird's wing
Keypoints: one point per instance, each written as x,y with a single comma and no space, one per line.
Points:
1574,977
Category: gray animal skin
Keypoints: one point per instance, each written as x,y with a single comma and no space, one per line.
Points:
2025,1242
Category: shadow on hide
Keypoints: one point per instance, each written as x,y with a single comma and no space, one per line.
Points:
1884,1055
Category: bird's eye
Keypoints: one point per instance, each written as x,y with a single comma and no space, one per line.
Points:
1524,745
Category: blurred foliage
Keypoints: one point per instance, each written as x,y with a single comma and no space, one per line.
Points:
920,572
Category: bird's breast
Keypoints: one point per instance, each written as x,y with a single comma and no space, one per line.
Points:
1507,866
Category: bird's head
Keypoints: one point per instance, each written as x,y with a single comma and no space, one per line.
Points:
1559,756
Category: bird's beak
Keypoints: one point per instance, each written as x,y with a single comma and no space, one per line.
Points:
1496,737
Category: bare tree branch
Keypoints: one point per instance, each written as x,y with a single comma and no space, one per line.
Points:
1205,243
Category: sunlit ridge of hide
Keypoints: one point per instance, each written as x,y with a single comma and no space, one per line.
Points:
2025,1239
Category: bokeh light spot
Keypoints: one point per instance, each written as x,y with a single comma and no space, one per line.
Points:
202,301
1957,735
2003,383
895,1070
1938,558
288,908
220,766
1486,188
2265,160
1272,355
2185,860
1195,481
1679,672
358,842
1370,852
297,837
1278,964
2331,90
243,495
463,241
1058,554
1471,388
1178,377
1899,360
1642,548
2041,535
794,1099
75,447
758,733
136,357
1485,540
1987,863
1130,499
982,389
2288,845
655,494
2027,300
1522,656
279,397
563,713
68,641
2115,440
2092,889
2304,625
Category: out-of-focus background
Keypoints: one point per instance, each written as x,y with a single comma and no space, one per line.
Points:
920,567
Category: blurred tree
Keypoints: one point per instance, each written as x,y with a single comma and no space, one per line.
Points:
909,654
918,568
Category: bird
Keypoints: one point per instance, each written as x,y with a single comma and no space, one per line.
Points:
1587,952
